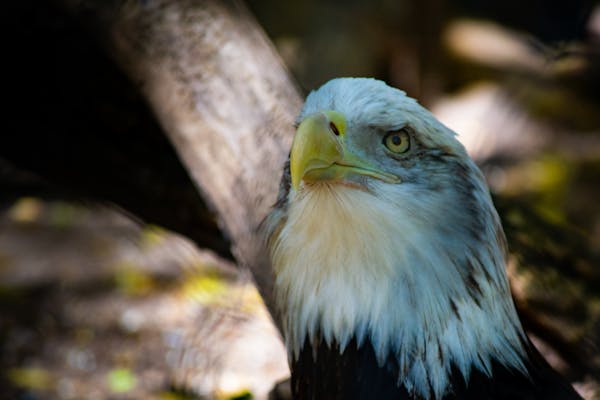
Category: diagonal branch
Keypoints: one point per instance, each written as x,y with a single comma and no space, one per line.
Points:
220,93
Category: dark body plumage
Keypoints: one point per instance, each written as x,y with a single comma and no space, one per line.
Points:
324,373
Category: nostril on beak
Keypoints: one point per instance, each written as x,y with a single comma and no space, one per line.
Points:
334,128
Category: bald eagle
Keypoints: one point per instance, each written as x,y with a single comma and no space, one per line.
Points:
389,260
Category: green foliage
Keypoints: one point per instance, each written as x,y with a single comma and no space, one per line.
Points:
121,380
64,215
30,378
206,289
244,395
152,235
132,281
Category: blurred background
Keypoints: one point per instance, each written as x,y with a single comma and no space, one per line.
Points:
97,303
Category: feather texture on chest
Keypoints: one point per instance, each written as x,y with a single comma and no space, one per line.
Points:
352,264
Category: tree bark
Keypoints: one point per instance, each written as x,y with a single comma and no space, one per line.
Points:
222,96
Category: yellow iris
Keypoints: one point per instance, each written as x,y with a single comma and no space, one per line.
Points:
397,141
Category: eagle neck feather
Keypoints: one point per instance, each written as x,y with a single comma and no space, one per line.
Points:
350,263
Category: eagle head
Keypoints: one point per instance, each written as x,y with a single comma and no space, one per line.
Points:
384,233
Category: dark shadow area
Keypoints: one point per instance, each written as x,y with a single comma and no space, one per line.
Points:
79,129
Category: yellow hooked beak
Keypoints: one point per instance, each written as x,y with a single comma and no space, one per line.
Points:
319,152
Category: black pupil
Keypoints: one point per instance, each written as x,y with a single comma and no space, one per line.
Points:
396,139
334,129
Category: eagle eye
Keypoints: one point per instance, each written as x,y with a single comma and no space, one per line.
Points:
397,141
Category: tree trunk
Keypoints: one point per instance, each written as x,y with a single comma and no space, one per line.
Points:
222,96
